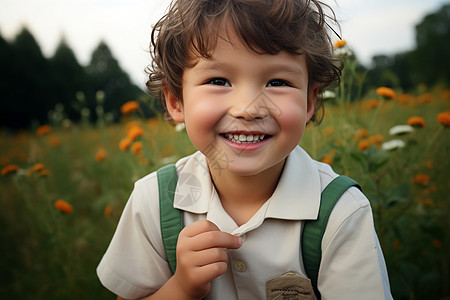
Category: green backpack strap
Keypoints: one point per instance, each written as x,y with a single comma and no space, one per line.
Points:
171,219
313,230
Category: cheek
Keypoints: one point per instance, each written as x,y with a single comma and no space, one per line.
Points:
292,124
201,116
293,116
200,119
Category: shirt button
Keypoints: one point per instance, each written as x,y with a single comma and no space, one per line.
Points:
240,266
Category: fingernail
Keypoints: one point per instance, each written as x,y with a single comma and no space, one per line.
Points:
239,241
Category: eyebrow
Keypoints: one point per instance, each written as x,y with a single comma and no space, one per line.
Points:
288,69
209,65
272,68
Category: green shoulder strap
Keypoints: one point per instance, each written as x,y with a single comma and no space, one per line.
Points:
313,230
171,219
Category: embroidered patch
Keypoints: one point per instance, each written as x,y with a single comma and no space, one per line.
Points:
289,286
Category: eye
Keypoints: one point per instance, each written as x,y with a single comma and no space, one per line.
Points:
218,81
278,82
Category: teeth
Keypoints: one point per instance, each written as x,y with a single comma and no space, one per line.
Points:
245,138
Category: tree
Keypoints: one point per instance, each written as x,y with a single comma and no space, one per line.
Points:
106,75
26,96
430,58
32,85
67,78
381,73
6,65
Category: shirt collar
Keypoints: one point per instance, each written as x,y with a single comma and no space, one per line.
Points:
297,196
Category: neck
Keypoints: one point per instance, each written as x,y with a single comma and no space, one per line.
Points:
243,196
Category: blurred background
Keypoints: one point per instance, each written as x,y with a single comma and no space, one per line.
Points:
77,128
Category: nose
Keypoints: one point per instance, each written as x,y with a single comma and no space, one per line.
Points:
251,105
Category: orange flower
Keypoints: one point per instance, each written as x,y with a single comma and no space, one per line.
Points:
416,122
63,206
129,107
38,167
340,43
143,161
125,143
328,130
328,158
427,202
437,243
429,164
404,98
444,118
376,139
44,173
54,141
100,155
426,97
361,134
363,145
41,130
421,179
134,132
10,169
108,211
369,104
446,94
136,148
385,92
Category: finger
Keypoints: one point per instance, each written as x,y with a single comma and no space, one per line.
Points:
209,256
211,271
214,239
199,227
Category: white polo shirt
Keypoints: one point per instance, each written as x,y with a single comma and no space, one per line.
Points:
352,267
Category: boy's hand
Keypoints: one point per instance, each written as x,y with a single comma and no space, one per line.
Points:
201,257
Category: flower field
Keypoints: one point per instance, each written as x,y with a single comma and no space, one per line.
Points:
63,187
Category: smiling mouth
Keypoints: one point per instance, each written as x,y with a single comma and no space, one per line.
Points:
241,138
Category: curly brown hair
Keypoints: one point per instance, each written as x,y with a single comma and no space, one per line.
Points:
191,27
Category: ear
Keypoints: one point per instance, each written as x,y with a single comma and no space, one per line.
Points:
311,103
174,106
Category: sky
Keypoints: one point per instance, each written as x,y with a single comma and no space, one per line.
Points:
370,27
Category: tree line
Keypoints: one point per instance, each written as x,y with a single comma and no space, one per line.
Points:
428,63
32,85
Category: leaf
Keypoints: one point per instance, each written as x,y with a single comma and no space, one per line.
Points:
398,194
360,158
377,158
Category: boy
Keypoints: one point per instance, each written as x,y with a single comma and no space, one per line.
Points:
244,76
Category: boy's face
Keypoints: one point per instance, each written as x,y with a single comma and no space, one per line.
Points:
245,111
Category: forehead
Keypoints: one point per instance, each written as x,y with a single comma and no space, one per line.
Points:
229,50
203,42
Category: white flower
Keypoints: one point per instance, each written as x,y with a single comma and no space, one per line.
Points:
179,127
328,95
392,145
168,160
342,52
400,130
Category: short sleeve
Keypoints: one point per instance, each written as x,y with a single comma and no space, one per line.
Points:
352,265
134,264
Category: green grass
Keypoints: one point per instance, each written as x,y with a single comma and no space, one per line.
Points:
47,254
